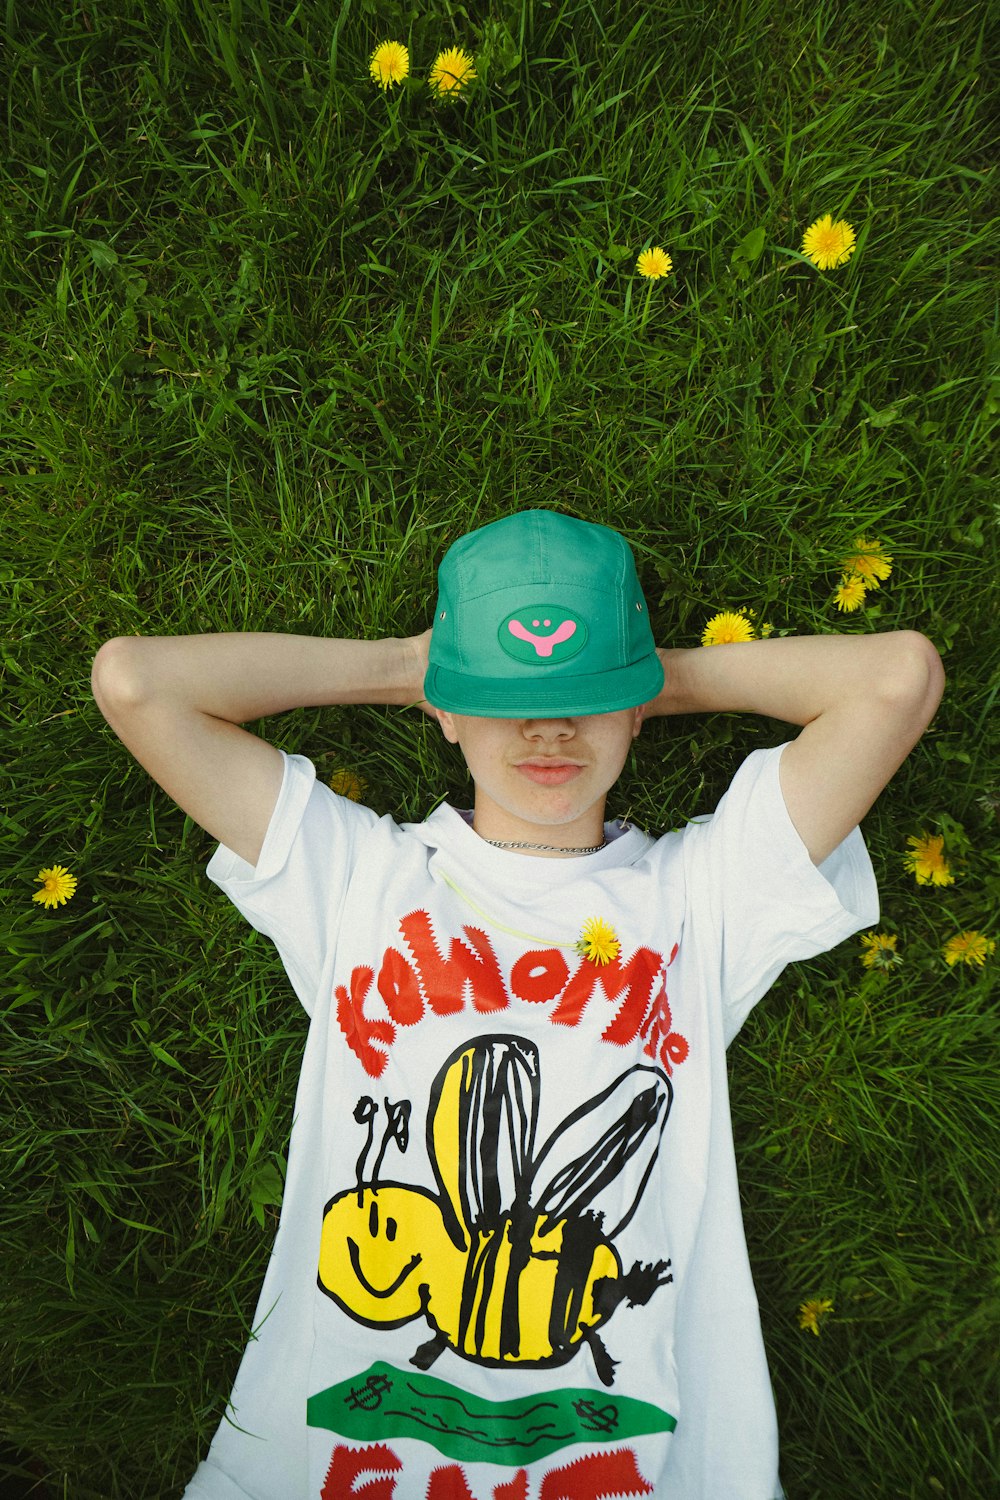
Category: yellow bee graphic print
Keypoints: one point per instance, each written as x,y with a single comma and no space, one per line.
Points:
510,1262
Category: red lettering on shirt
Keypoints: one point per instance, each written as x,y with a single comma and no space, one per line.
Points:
400,988
451,1484
444,979
599,1476
356,1026
658,1026
634,978
515,1489
539,976
373,1465
470,975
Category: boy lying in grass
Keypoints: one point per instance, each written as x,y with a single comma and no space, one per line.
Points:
511,1259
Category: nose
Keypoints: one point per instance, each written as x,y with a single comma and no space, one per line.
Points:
548,729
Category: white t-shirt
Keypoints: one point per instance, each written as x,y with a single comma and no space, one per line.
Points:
511,1262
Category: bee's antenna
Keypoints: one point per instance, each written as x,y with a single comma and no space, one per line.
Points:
399,1122
364,1112
397,1129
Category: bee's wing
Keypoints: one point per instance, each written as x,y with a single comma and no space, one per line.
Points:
481,1129
600,1157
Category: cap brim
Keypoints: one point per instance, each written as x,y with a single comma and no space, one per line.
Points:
548,698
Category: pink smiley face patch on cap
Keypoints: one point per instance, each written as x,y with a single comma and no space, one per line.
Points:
542,634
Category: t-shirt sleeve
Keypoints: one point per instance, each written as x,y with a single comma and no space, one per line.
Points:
755,898
295,893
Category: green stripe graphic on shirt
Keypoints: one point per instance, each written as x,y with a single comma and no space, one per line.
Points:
383,1402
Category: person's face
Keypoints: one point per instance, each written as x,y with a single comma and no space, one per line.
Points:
542,771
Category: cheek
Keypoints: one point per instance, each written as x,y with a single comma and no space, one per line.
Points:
485,750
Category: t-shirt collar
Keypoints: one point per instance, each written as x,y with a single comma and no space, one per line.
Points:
450,830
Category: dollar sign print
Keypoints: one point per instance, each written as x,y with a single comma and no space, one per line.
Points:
368,1397
597,1418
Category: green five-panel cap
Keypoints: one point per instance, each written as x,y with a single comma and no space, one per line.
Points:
540,616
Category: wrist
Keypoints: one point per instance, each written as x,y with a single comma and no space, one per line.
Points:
667,700
418,647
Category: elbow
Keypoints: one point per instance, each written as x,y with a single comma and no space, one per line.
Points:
916,677
113,675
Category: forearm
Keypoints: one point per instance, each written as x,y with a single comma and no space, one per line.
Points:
241,676
795,678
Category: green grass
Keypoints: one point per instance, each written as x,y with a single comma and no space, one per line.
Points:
270,341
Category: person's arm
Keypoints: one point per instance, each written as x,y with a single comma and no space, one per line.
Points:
864,701
176,702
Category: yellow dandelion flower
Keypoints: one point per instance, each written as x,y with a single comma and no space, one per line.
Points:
727,628
58,886
598,942
348,784
850,592
389,64
926,860
869,561
654,263
828,244
812,1312
451,71
968,948
880,950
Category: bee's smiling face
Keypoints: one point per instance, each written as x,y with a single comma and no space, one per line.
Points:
373,1251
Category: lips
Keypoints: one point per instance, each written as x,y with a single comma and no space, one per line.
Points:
549,772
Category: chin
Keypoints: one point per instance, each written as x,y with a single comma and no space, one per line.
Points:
549,809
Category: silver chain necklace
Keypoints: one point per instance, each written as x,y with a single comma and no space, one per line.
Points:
549,848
